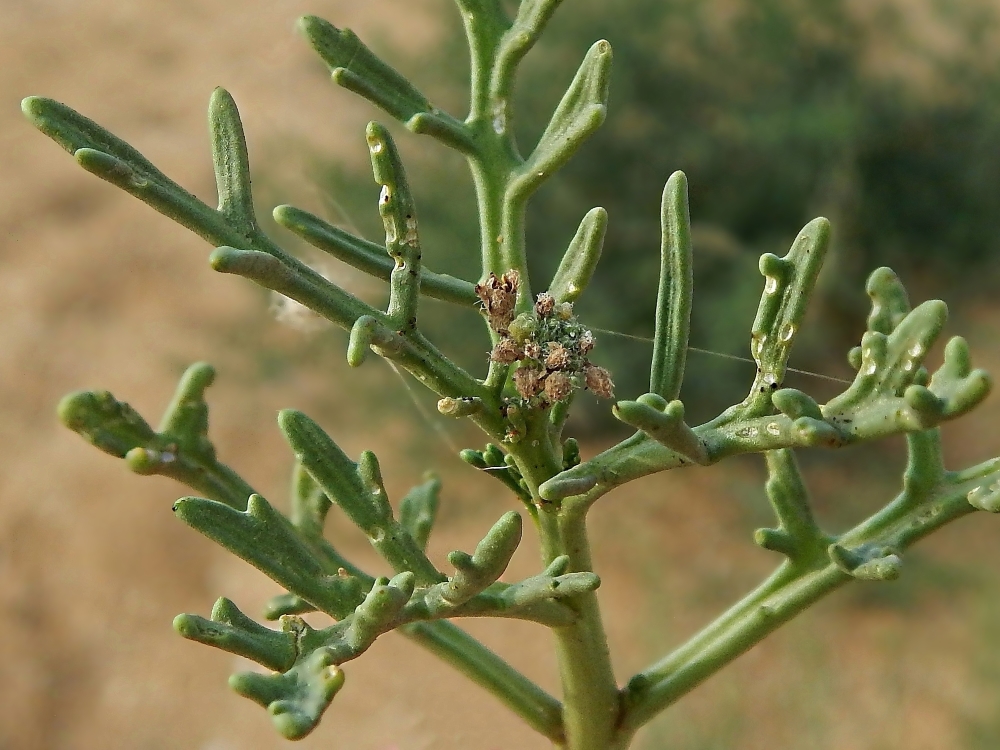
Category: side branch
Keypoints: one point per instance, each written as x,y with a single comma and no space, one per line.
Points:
307,660
772,604
179,449
368,257
356,68
532,17
892,392
232,225
541,711
869,552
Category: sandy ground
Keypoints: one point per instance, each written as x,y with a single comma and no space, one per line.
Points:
96,291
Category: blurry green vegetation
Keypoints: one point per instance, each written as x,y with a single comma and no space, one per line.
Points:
778,111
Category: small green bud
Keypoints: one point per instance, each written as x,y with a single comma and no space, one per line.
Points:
473,458
523,327
493,455
571,453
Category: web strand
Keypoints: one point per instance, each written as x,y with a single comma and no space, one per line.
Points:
435,424
445,435
721,355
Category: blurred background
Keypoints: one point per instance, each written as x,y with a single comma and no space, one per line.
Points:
883,116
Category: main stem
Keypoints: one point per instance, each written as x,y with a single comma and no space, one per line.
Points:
591,699
591,702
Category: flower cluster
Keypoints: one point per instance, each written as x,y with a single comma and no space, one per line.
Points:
548,345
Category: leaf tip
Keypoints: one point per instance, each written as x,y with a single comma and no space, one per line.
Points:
186,626
33,107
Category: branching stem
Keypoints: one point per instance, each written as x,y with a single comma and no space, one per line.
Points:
790,590
540,710
522,404
590,693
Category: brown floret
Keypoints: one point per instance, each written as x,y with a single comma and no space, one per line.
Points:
532,350
558,357
528,381
498,297
599,381
545,304
586,342
558,386
506,352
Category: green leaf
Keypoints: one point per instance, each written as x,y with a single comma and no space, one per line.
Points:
402,242
580,260
232,631
554,583
267,540
368,332
356,68
517,41
673,300
296,699
473,573
788,286
369,257
664,422
358,491
102,420
232,164
180,450
418,510
581,111
110,158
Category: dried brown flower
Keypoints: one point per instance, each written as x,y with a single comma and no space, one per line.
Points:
586,342
498,297
544,304
533,350
528,381
599,381
558,386
558,357
506,352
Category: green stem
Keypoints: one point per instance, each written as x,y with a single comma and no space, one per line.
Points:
540,710
776,601
538,457
791,589
591,700
501,220
216,481
489,198
485,24
511,247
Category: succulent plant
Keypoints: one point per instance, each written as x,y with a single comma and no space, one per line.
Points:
539,360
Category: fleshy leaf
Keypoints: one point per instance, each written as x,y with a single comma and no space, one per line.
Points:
296,699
